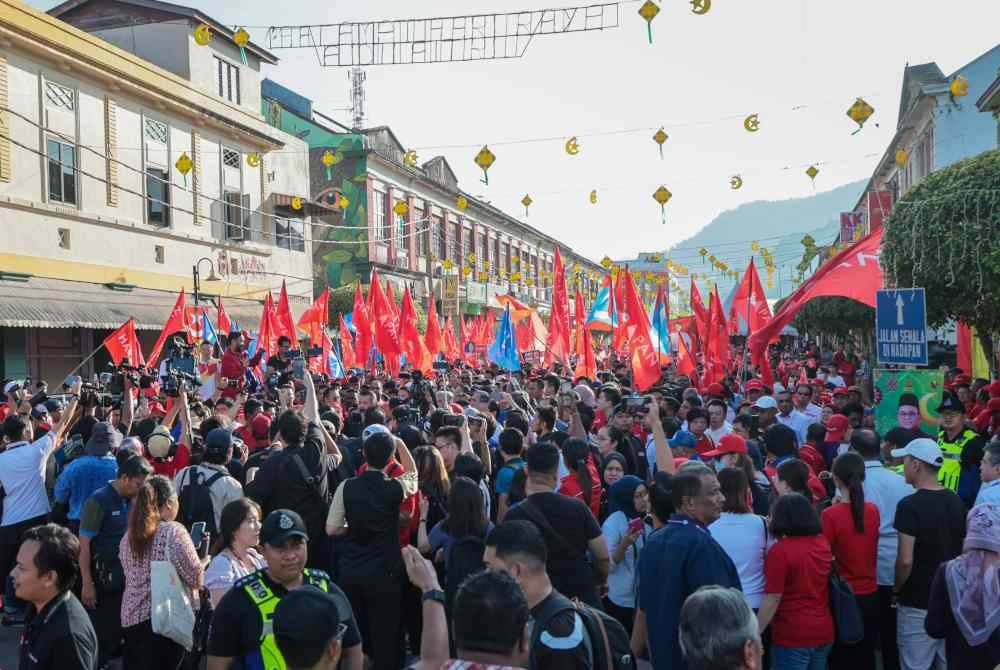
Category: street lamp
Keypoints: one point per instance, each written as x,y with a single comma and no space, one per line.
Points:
212,277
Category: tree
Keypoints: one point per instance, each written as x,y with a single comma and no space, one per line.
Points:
944,235
833,315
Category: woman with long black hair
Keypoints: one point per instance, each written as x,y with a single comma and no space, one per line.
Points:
582,482
851,525
234,553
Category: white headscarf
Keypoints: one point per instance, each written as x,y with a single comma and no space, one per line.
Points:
973,578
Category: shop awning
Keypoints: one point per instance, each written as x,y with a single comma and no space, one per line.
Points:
38,302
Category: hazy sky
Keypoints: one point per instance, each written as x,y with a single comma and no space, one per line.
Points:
799,65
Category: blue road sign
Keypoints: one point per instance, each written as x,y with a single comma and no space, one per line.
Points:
901,326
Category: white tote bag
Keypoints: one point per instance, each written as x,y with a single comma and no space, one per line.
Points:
171,610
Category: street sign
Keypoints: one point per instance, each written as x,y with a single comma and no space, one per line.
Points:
901,326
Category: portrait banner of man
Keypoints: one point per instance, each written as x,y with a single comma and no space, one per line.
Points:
908,398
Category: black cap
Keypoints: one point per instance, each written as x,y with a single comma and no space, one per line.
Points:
280,525
218,440
308,616
950,403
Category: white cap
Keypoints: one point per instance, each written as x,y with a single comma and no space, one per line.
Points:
779,387
10,386
923,449
372,429
765,402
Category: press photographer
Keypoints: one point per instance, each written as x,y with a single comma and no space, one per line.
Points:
235,363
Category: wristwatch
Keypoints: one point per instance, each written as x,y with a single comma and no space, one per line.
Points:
437,595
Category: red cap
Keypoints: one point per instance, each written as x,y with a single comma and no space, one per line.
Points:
754,384
715,389
260,427
840,390
730,443
836,428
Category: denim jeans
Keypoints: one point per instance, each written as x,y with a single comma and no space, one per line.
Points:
917,649
799,658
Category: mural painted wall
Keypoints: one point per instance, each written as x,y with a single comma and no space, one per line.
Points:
340,240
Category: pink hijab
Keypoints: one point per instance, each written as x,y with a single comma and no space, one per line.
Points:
974,577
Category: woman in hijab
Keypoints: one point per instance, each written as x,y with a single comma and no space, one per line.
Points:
964,606
625,532
613,468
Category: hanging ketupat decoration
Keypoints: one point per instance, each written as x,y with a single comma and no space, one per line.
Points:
648,11
461,202
606,262
593,197
526,201
184,165
902,157
329,159
812,171
662,195
860,112
242,39
401,208
660,137
485,159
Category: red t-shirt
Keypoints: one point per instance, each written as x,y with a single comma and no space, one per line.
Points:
168,467
570,486
798,568
813,458
856,553
704,444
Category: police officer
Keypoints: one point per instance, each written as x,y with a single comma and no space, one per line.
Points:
242,635
962,448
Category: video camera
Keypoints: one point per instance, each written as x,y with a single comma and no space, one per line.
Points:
179,372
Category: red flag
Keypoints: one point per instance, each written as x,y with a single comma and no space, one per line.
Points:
347,356
645,361
853,273
700,316
224,324
124,343
361,319
267,334
524,333
284,324
175,322
193,323
716,350
749,303
410,343
391,298
385,323
557,343
321,364
451,349
433,339
465,337
316,318
586,363
685,361
963,346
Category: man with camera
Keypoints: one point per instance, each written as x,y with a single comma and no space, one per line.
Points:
234,365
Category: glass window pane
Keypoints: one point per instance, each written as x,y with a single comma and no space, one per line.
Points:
55,171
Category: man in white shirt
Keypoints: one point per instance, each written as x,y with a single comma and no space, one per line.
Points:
803,402
884,489
22,473
717,424
834,379
791,417
989,472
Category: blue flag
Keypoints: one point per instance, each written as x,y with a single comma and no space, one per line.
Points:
503,351
336,367
207,330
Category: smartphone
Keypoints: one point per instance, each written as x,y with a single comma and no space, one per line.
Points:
635,525
199,538
299,368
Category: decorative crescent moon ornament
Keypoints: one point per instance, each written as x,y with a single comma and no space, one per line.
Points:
593,197
410,158
296,203
572,146
242,39
700,7
959,87
751,123
736,182
202,35
461,202
253,159
401,208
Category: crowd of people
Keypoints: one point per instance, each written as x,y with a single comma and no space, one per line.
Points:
483,518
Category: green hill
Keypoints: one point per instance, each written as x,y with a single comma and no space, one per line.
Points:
778,225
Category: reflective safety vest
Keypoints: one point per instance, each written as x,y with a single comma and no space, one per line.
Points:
266,601
950,472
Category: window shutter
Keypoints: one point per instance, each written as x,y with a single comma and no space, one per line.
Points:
111,150
5,164
246,216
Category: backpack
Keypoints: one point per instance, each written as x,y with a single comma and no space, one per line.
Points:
465,556
608,643
196,500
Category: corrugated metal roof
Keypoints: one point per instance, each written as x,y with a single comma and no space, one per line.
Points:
40,302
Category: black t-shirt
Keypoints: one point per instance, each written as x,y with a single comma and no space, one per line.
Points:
59,637
562,644
237,626
937,520
572,520
278,363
